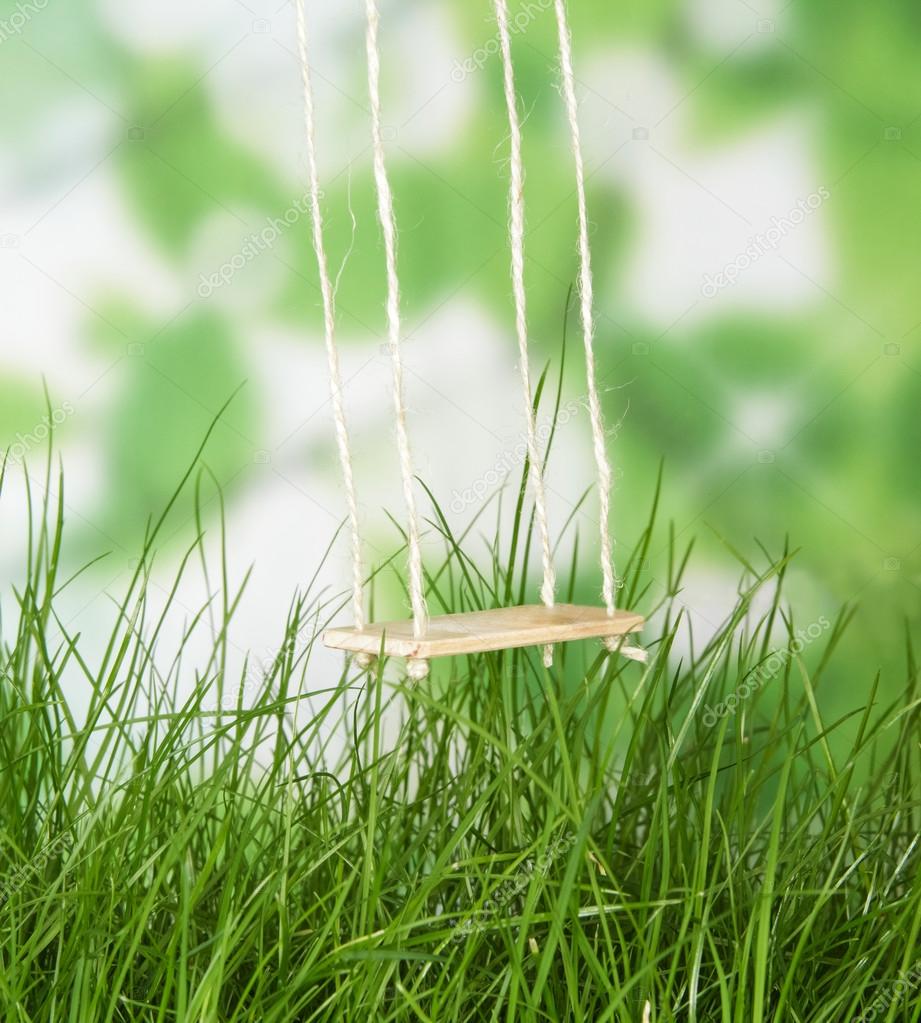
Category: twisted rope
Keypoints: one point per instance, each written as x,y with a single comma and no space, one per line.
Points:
329,323
516,229
586,290
388,225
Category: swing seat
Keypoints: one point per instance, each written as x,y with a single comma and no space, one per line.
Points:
478,632
504,628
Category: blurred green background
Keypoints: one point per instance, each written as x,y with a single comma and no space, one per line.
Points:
147,151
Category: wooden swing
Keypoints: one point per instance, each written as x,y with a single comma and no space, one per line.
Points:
426,637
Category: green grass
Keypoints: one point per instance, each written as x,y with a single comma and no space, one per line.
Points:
593,843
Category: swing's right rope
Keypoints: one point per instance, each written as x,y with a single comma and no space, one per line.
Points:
388,226
329,323
586,290
517,211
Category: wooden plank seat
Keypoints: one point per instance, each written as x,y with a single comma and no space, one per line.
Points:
476,632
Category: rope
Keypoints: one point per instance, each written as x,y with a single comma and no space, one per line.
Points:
329,321
516,205
388,225
586,289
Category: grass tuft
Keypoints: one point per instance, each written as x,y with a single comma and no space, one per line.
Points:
686,841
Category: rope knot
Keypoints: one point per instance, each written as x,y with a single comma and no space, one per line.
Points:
417,669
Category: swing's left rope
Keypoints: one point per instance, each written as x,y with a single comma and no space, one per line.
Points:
329,324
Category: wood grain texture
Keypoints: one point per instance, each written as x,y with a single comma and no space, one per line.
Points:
481,631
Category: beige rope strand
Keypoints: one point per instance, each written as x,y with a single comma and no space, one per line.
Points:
586,289
329,322
517,210
388,225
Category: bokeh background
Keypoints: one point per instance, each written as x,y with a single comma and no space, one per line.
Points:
755,191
